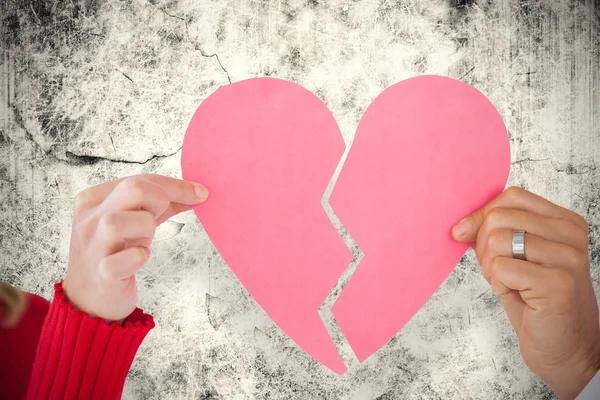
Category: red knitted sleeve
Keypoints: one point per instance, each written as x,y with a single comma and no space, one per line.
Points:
79,357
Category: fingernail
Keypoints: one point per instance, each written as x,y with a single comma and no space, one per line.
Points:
201,191
146,252
461,228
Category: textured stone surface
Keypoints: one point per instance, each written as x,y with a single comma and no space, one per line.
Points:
93,90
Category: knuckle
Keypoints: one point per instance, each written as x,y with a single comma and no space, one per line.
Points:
579,232
134,179
494,239
133,183
496,286
109,224
513,192
139,256
574,257
135,189
563,282
495,266
581,222
82,231
105,269
81,200
150,221
140,189
494,218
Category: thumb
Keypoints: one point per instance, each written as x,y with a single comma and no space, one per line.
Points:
467,228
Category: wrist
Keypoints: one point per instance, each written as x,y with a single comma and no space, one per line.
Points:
68,295
69,299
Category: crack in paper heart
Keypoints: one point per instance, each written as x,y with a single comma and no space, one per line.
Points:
427,151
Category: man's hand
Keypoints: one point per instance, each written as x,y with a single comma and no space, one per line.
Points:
549,298
113,226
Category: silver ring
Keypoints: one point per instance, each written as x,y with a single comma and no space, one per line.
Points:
518,245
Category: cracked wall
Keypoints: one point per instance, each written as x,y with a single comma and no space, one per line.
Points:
94,90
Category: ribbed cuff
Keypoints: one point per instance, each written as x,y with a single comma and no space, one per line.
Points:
80,357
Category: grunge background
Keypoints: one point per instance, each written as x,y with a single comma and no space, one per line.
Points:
94,90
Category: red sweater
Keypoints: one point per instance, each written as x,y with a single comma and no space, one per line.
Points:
77,357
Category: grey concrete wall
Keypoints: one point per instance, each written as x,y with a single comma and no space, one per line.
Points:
93,90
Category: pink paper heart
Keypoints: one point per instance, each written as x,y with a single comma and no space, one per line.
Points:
428,151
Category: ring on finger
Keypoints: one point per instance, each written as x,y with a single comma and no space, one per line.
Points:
518,245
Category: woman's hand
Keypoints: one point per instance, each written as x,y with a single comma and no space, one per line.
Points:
549,298
113,226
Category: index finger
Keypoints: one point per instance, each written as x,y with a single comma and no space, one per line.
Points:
178,190
513,197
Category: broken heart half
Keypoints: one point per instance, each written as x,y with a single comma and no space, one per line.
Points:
428,151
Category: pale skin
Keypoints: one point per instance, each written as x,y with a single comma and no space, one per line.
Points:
549,299
113,226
